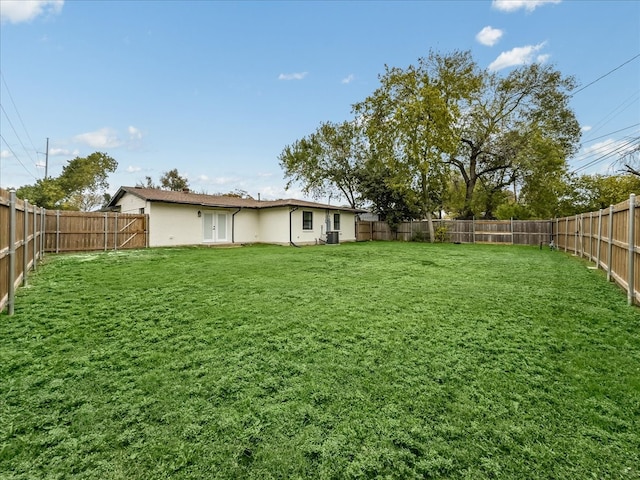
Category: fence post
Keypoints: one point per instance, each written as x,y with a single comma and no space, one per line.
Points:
115,231
106,228
473,230
25,243
575,240
591,256
43,220
610,245
57,231
632,249
599,238
566,233
581,235
12,252
35,237
511,230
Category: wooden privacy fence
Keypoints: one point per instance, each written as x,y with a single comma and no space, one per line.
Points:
609,238
27,232
21,244
91,231
516,232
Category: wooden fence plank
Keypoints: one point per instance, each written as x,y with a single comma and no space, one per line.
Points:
518,232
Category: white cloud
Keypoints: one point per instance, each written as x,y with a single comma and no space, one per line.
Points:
5,154
63,152
134,133
518,56
204,179
349,78
489,36
293,76
103,138
543,58
513,5
586,128
16,11
270,192
132,169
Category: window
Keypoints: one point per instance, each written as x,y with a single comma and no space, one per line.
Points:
141,210
336,221
307,220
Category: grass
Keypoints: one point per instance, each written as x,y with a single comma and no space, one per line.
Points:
377,360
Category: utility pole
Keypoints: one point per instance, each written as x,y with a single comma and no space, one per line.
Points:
46,160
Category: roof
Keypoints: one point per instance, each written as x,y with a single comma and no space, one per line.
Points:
200,199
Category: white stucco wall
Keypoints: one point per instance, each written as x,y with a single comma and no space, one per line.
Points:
172,224
247,228
132,204
308,237
347,227
274,225
175,224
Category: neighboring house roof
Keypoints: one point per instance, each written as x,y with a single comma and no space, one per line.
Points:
222,201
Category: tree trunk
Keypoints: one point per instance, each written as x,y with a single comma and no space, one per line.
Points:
470,186
470,178
426,208
432,233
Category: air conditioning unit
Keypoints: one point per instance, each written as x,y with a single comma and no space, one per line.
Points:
333,238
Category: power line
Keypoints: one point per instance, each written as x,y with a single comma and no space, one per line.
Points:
617,149
615,112
17,136
15,107
606,74
16,157
611,133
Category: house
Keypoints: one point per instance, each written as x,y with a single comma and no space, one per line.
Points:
186,218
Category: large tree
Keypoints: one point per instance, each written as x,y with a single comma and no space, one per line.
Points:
81,185
504,121
411,123
172,180
327,162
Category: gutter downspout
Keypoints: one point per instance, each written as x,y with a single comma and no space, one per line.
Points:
291,210
233,224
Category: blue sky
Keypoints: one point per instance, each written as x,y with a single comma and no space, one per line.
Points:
218,89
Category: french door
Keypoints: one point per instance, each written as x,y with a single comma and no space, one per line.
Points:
214,226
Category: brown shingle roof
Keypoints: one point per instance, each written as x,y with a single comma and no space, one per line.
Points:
200,199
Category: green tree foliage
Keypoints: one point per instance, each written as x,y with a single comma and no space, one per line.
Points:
589,193
46,193
509,125
393,202
446,134
148,183
410,123
327,162
237,193
172,180
80,186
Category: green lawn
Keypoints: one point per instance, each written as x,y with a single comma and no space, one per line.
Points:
376,360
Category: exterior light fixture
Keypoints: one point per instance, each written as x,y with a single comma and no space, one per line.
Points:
199,213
